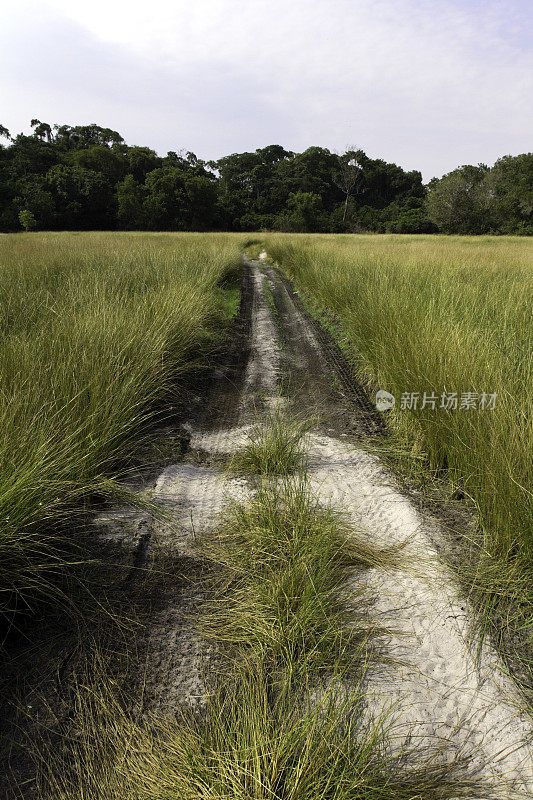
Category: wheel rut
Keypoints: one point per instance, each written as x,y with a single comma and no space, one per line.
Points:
439,692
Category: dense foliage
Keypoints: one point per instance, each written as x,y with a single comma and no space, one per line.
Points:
483,200
87,177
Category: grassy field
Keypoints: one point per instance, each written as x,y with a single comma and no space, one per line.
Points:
441,315
95,329
103,331
438,315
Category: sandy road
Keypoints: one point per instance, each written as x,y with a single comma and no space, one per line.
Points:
440,694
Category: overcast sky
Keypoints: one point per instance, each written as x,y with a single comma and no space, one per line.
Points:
427,84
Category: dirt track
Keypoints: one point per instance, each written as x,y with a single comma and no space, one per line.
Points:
439,694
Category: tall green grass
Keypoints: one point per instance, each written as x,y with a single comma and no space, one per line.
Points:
444,314
95,330
279,566
433,314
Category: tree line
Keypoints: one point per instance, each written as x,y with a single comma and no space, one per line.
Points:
86,177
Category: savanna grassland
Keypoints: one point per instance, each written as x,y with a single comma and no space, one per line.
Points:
102,335
96,328
441,315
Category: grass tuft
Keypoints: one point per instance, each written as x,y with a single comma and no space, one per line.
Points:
279,565
249,746
275,447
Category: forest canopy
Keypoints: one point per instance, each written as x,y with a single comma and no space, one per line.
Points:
87,178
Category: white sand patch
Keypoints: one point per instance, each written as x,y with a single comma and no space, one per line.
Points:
439,693
177,656
123,525
191,497
195,497
224,442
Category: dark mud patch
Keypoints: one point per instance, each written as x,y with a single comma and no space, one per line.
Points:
320,380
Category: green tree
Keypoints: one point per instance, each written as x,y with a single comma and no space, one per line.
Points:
27,220
141,161
348,175
407,216
165,204
83,198
311,172
179,199
110,163
457,203
304,213
42,130
32,194
86,135
131,195
508,188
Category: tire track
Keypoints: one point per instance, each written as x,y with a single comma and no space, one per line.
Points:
440,694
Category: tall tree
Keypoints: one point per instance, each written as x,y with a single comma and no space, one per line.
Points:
348,175
42,130
455,203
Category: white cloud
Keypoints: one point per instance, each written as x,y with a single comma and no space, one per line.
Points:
427,85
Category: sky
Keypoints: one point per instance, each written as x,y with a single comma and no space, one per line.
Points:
429,85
